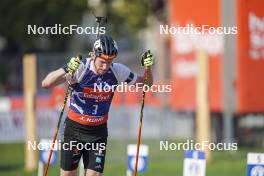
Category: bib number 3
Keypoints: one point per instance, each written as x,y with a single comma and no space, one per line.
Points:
95,109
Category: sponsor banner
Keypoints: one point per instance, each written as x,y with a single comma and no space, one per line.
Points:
184,47
250,56
142,158
44,154
255,164
194,163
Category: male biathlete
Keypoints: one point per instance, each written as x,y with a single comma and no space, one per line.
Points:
86,124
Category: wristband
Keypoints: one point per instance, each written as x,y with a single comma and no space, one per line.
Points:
65,68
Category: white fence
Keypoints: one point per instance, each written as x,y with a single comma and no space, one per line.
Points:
123,123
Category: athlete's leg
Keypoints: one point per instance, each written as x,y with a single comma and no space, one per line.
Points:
69,162
90,172
68,173
94,159
70,155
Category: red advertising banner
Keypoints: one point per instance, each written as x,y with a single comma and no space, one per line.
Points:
250,56
199,15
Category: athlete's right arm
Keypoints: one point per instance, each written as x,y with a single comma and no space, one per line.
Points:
59,76
54,78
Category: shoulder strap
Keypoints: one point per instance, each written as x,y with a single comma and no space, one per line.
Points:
87,65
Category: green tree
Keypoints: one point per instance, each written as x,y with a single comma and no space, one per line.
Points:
15,15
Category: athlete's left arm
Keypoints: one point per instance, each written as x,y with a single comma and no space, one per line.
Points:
124,74
147,61
147,76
